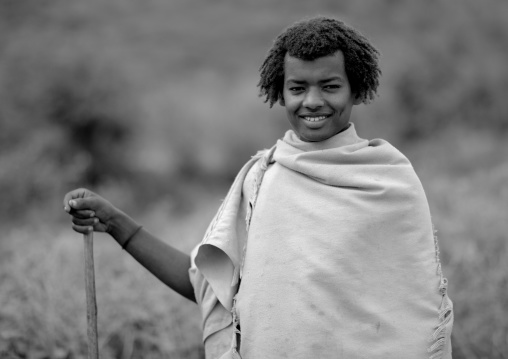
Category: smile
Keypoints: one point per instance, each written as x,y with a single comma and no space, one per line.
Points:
314,118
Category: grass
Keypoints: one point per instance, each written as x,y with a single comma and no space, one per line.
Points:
42,301
466,178
172,53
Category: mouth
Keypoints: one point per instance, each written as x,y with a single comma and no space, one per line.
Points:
314,118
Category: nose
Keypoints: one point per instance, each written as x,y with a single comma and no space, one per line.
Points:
313,99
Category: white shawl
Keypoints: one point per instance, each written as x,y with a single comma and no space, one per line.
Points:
341,259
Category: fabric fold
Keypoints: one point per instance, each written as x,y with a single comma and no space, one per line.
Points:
340,256
218,257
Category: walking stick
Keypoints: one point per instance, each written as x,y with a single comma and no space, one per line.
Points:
91,302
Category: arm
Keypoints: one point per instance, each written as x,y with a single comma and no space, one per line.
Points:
90,212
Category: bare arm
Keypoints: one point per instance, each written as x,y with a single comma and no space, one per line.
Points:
92,212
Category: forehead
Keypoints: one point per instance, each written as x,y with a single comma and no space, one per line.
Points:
322,67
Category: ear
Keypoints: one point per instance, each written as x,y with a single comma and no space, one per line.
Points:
281,101
358,100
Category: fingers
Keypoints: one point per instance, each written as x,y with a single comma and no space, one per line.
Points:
84,225
75,194
82,229
89,211
85,222
82,205
83,213
77,204
88,225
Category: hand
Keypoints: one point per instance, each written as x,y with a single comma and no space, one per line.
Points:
89,211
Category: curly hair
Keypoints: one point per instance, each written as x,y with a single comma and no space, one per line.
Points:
317,37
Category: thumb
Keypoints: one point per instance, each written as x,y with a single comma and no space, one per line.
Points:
75,194
89,203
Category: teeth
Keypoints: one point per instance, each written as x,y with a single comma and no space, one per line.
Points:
315,119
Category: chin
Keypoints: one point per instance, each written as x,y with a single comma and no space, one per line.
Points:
314,138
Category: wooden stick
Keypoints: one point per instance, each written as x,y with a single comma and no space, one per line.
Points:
91,302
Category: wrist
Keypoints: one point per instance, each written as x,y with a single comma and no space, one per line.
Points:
121,227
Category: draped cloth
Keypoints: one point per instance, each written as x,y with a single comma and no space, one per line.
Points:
340,260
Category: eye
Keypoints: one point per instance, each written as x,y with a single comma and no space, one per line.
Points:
296,89
332,87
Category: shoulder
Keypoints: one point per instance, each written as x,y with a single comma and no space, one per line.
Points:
388,152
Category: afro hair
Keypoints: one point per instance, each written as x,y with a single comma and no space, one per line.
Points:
318,37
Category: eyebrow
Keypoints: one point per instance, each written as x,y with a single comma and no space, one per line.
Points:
333,78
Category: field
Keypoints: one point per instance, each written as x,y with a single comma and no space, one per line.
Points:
154,105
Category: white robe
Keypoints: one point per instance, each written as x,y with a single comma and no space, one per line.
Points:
340,259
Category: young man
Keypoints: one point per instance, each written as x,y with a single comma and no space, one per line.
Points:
323,247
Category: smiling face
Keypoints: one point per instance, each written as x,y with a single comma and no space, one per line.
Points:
317,96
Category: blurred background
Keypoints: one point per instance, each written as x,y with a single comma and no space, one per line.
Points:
153,104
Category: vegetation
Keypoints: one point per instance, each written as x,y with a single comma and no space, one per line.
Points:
154,104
